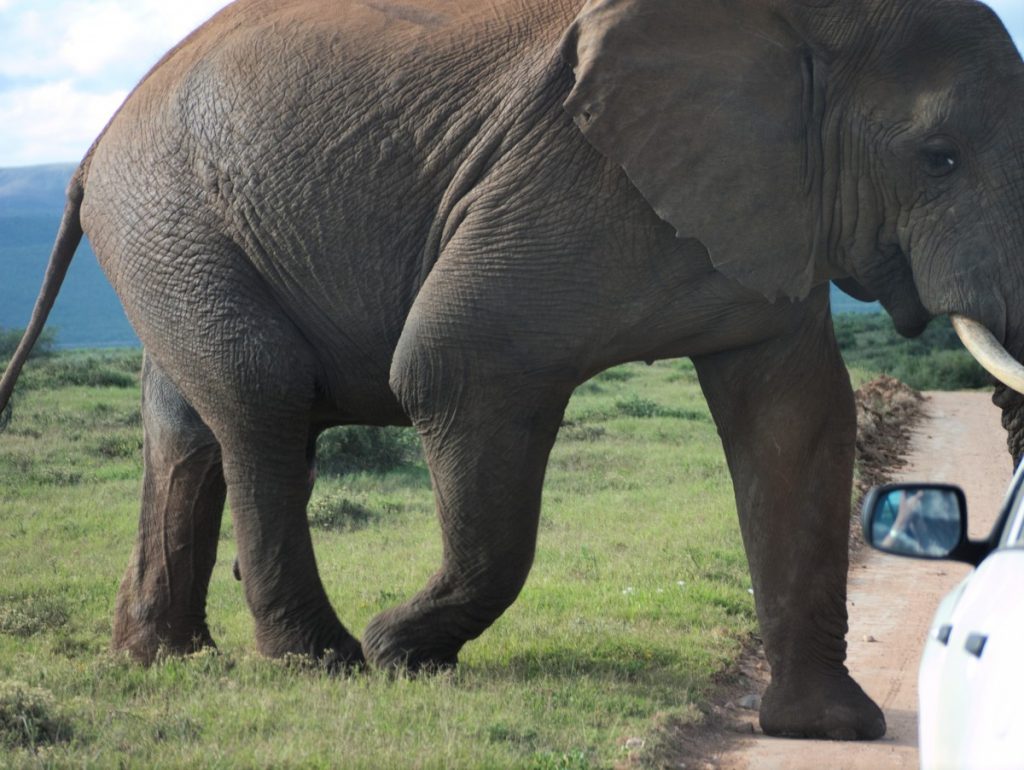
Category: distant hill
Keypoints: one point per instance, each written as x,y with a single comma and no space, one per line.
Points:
844,303
87,313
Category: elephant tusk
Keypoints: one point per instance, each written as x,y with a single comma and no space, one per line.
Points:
989,352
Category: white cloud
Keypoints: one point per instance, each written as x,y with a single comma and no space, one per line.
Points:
134,35
55,121
66,65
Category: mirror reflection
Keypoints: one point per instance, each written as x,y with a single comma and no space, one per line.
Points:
917,522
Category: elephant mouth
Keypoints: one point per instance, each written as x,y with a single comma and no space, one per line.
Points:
989,352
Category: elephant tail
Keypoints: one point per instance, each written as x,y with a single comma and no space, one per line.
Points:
68,238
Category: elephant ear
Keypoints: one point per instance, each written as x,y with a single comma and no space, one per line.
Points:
713,109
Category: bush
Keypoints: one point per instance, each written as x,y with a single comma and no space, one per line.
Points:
10,338
89,371
635,406
366,448
335,513
29,717
616,374
104,368
116,445
944,369
29,615
936,360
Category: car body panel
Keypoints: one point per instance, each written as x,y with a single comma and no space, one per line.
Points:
969,715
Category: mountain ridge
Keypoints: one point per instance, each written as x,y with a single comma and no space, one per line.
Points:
87,313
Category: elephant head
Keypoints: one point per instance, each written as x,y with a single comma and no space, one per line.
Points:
879,144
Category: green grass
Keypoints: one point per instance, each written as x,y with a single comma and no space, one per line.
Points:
637,600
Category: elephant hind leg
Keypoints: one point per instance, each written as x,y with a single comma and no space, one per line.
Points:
215,328
162,599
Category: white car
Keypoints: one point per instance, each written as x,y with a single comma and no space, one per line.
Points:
971,680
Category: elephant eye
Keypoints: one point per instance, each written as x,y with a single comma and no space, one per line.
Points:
940,156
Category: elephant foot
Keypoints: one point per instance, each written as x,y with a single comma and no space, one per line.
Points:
144,644
329,644
395,640
830,707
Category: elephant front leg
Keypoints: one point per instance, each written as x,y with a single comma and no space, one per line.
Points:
786,416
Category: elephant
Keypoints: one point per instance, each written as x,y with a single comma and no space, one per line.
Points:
450,214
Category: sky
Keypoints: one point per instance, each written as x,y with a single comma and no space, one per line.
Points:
66,65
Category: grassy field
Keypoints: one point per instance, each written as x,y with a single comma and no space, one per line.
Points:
637,601
637,604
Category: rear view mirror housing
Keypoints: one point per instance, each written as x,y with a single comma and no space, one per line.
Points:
921,521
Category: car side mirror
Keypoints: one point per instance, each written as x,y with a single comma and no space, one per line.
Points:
924,521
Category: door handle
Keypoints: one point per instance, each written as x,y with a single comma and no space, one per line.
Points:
975,644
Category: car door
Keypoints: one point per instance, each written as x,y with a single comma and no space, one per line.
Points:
972,679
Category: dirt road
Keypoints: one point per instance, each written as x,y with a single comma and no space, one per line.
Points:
891,600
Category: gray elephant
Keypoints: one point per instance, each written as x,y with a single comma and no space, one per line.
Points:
449,214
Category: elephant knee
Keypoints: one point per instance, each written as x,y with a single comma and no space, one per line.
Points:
169,421
417,376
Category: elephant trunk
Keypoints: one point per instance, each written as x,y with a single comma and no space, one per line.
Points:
1009,373
1012,404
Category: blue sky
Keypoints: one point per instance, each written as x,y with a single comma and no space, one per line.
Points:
66,65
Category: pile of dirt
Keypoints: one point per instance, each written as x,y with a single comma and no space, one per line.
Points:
887,410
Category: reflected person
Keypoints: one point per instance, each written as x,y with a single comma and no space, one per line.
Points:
926,523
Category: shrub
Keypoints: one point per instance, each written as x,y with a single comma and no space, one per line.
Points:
29,615
87,371
335,513
635,406
366,448
574,431
944,369
10,338
29,717
55,476
616,374
936,360
116,445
